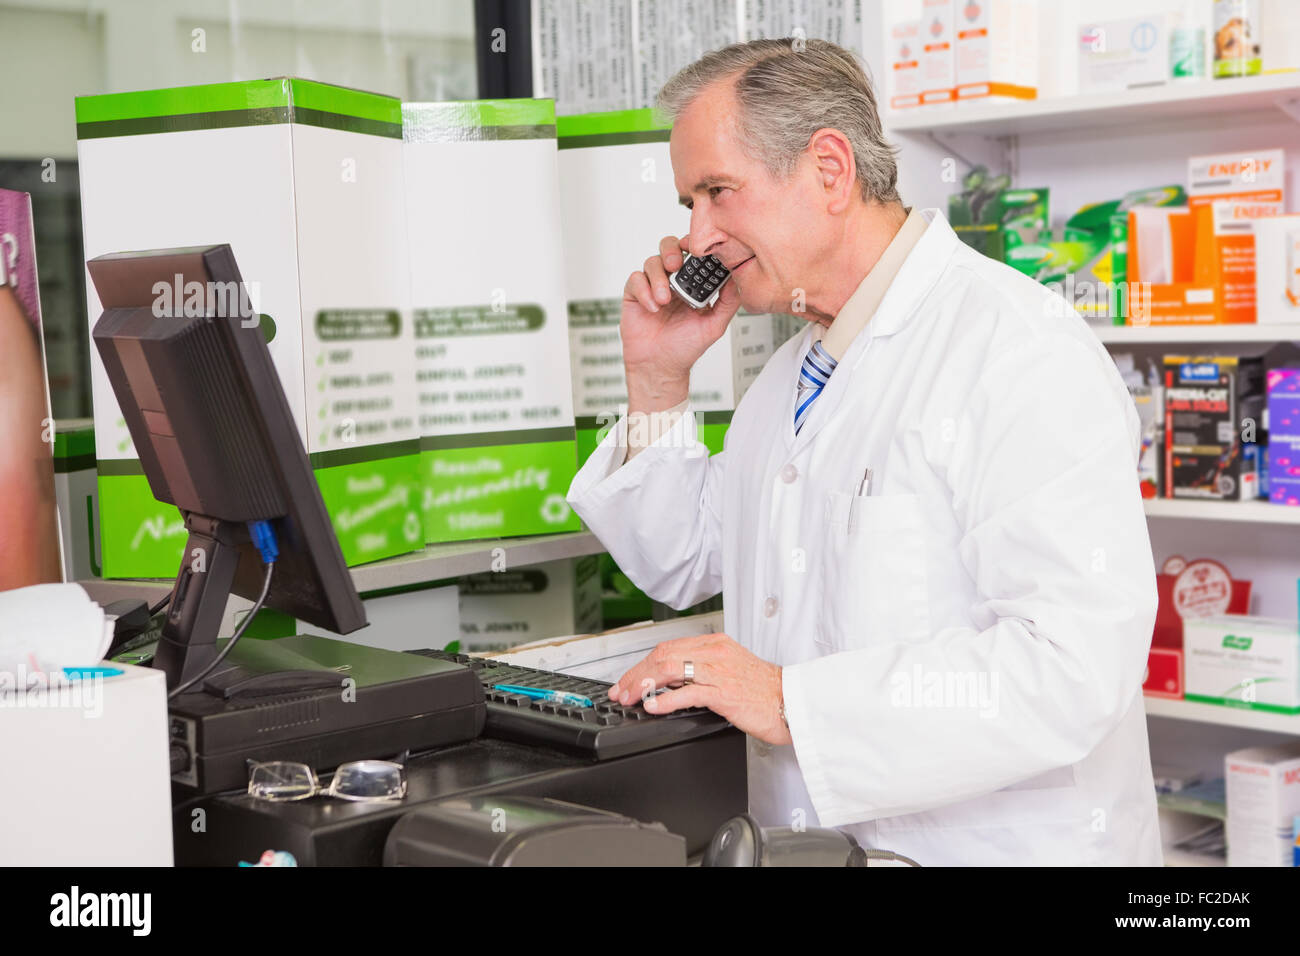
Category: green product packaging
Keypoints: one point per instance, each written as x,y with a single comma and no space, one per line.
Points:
304,181
497,445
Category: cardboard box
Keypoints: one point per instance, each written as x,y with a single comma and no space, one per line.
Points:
304,181
499,609
1123,54
1241,188
905,64
1164,673
76,492
1243,661
996,53
497,448
938,56
1263,791
1284,436
1277,269
410,619
1206,397
617,201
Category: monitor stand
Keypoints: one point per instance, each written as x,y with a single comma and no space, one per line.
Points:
188,644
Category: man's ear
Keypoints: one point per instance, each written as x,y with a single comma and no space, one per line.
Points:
833,155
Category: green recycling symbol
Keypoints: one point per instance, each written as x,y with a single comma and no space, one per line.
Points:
555,510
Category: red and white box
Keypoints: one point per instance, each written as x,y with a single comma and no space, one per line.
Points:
1164,676
996,52
905,65
1263,793
938,58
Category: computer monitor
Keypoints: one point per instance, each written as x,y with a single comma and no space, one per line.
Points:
216,438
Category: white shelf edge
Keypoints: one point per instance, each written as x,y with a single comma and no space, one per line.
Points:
440,561
1191,334
1116,107
1224,716
1248,512
436,562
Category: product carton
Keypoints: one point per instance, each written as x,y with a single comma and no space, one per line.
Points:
1206,400
497,448
617,200
499,609
996,54
938,56
1263,791
304,181
1243,661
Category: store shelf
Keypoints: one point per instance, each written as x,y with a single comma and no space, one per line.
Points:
1224,716
435,563
1192,334
1201,101
1253,512
440,561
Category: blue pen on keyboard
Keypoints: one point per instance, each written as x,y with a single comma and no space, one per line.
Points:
541,693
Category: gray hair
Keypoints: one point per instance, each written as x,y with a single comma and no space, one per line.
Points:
786,94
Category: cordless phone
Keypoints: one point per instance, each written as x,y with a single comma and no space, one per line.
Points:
699,281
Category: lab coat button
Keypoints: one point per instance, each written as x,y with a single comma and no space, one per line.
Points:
789,473
762,749
770,607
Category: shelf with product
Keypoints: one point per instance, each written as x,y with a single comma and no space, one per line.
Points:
1274,95
1048,185
1226,716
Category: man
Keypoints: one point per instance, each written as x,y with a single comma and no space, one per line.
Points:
937,582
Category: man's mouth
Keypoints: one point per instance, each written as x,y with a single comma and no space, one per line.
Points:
741,264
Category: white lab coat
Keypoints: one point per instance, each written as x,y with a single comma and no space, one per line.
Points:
962,672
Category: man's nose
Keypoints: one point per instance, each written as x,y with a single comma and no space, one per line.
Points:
705,238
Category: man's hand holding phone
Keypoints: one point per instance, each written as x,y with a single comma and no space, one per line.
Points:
663,337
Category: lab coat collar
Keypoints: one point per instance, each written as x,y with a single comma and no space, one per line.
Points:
919,274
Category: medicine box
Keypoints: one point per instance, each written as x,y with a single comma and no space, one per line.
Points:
1241,188
996,53
1205,400
497,449
304,181
617,200
77,497
1243,661
905,65
499,609
1284,436
938,55
402,619
1123,54
1277,269
1263,796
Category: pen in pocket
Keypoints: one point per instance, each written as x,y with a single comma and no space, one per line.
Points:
864,489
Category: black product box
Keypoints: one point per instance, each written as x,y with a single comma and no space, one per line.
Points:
1213,408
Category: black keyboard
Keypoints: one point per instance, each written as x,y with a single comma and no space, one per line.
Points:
604,731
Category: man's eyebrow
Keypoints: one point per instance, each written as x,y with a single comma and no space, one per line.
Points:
705,183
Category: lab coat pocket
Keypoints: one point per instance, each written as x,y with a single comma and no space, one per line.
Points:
874,585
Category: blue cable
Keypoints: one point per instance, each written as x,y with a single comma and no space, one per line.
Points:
264,537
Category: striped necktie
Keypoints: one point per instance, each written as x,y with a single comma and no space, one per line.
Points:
816,372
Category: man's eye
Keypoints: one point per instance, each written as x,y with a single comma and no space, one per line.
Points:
714,190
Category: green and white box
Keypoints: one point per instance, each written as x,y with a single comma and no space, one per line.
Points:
499,609
1243,661
304,181
76,497
617,201
487,284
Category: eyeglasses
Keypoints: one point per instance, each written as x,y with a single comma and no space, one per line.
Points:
362,781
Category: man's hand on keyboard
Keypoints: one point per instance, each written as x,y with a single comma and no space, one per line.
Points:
729,680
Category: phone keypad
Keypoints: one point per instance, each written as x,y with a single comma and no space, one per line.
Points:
700,277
